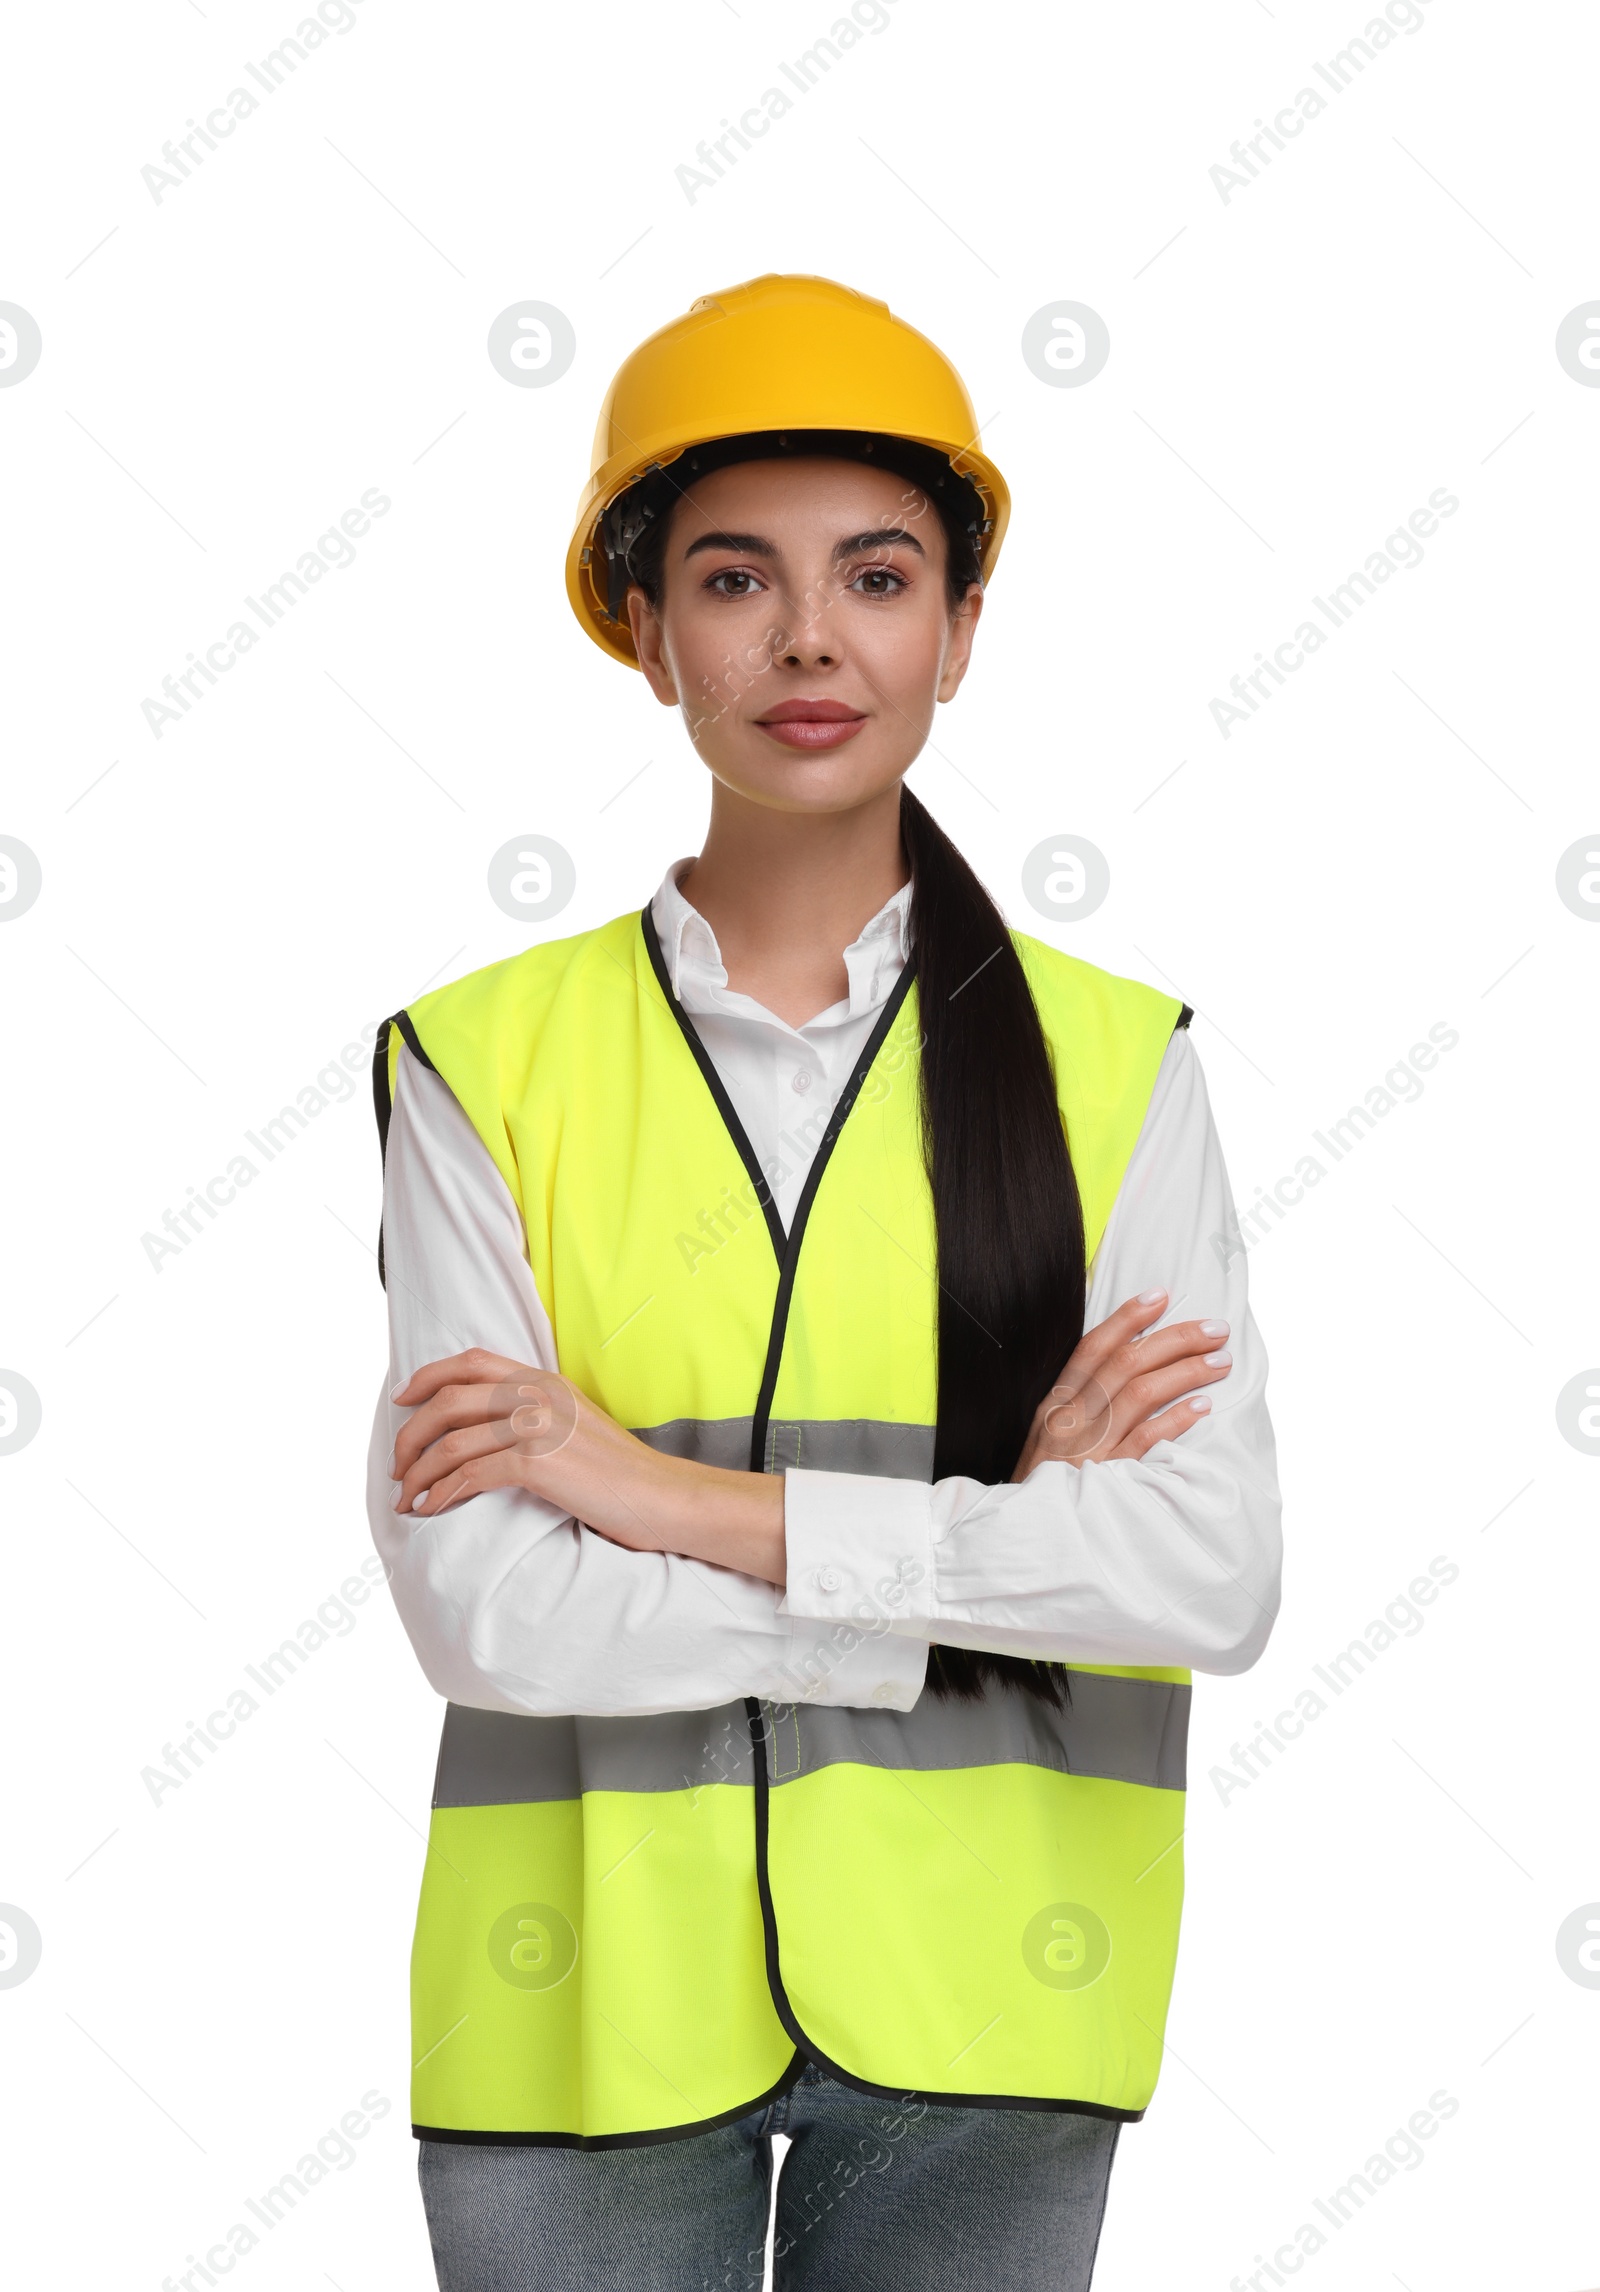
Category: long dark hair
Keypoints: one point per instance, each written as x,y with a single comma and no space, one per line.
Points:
1009,1220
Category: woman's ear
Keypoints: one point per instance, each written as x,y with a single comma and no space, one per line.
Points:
958,652
648,644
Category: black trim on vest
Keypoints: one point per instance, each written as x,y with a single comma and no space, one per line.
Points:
790,1260
1183,1017
787,1246
791,2020
716,1086
382,1103
786,2083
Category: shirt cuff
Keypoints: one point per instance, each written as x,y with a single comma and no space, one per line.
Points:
850,1662
860,1550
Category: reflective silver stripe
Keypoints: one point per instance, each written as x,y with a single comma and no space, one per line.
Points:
723,1441
819,1444
1122,1730
496,1758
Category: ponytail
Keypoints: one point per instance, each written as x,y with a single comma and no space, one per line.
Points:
1010,1224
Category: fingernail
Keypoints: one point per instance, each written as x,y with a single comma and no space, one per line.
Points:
1200,1404
1219,1360
397,1390
419,1500
392,1474
1213,1329
1150,1296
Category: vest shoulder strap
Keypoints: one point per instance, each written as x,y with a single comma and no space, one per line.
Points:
481,1033
1107,1038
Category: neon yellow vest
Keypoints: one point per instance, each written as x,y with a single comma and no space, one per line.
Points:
634,1928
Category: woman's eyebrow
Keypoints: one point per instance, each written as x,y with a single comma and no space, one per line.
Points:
753,545
744,544
880,537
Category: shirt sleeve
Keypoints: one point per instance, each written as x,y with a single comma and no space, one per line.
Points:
1173,1559
509,1603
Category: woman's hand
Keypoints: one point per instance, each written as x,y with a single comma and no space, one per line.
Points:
1120,1392
481,1421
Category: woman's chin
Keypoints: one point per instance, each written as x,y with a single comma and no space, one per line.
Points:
799,780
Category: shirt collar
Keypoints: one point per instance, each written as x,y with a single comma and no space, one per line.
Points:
873,960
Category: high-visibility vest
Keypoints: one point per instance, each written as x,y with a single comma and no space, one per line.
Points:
635,1928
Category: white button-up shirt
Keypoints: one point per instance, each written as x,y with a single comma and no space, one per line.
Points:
512,1605
784,1081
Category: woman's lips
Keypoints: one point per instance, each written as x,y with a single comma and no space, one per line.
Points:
821,729
813,732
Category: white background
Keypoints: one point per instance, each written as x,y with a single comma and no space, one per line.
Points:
1292,372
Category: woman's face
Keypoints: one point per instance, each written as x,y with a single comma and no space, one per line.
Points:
804,628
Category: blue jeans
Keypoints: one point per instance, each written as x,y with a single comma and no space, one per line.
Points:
873,2196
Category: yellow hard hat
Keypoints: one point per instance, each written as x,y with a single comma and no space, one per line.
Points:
779,354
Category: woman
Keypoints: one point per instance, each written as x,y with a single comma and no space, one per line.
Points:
812,1553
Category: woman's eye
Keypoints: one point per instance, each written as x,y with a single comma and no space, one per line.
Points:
873,575
716,580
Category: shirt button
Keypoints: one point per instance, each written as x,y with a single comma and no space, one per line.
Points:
828,1579
883,1693
802,1078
